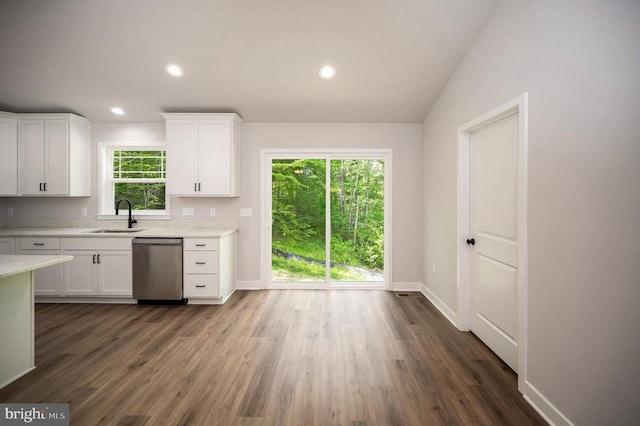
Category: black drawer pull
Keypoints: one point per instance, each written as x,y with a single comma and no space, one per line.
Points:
200,286
38,244
200,263
200,245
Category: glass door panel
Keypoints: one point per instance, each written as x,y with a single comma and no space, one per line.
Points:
298,247
357,220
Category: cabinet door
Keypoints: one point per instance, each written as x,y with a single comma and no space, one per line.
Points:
215,157
9,158
48,280
56,134
80,274
33,153
182,157
114,272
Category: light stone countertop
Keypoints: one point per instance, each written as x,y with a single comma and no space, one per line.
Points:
16,264
90,232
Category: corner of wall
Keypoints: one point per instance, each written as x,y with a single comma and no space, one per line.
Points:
440,305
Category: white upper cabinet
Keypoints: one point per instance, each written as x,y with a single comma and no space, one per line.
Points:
54,155
9,157
201,154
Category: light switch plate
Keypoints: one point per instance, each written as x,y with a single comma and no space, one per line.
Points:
84,211
212,211
245,212
188,211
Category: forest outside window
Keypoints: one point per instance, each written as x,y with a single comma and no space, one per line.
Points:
137,173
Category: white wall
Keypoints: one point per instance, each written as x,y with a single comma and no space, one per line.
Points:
580,63
404,139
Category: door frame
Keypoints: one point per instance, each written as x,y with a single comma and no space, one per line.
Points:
268,154
517,105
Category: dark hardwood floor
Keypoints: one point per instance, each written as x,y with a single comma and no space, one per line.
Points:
279,357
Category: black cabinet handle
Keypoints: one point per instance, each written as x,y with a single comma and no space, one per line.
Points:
40,186
195,186
199,187
200,263
200,286
38,244
45,187
98,258
200,245
471,242
94,258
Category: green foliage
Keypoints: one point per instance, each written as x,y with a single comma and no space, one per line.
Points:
143,196
298,199
357,212
298,270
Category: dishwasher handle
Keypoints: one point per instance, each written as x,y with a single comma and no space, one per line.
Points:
158,241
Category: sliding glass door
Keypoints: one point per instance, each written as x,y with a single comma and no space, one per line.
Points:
325,216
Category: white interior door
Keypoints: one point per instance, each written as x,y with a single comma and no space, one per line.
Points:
494,237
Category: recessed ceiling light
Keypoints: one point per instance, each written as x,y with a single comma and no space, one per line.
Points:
117,111
174,70
327,71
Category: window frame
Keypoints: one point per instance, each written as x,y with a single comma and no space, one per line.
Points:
106,207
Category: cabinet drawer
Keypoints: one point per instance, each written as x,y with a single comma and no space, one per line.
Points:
201,286
96,244
40,243
7,246
200,262
201,244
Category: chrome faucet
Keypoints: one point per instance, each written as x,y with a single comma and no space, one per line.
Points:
132,220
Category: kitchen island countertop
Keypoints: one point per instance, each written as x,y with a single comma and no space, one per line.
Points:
17,264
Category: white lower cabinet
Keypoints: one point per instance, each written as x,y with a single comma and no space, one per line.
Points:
100,267
209,268
47,281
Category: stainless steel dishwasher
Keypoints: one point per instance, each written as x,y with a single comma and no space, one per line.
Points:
157,270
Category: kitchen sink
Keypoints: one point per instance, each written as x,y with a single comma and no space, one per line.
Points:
114,231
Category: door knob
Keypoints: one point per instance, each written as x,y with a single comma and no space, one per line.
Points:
471,242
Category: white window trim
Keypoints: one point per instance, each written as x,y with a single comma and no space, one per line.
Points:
105,209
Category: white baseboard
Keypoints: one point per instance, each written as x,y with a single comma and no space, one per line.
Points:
13,379
440,305
122,301
405,286
218,301
249,285
544,407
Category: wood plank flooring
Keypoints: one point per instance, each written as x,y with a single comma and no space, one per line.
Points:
278,357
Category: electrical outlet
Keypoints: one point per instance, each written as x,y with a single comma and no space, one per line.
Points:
9,211
245,212
212,211
188,211
433,267
84,211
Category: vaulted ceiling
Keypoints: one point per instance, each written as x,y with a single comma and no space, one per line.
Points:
259,58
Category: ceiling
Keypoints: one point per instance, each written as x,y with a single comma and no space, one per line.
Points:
258,58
